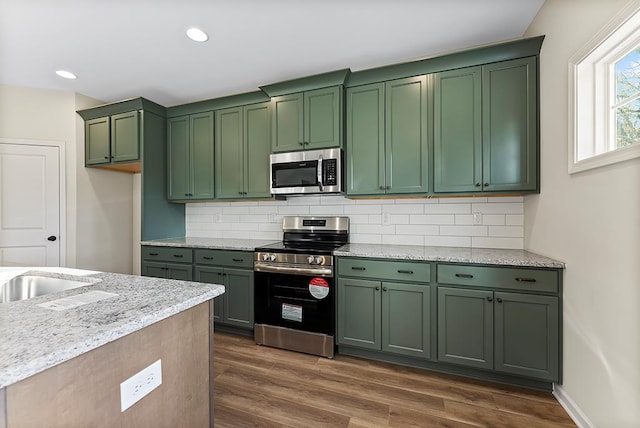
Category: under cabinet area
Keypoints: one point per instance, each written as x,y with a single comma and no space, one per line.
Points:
384,306
233,269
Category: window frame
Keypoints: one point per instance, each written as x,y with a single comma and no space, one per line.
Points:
592,90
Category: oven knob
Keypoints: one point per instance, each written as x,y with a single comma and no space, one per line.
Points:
272,257
311,259
320,260
265,257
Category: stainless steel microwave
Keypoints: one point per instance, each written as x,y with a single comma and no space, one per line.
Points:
311,171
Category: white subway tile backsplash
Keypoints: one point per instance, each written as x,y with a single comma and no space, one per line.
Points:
506,231
403,209
432,219
447,209
515,220
493,219
491,242
403,240
499,208
410,221
448,241
463,230
417,229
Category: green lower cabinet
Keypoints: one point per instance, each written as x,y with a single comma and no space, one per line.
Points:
526,335
406,323
154,269
359,313
387,316
465,327
512,333
235,306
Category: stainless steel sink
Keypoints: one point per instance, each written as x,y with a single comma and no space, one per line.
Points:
28,286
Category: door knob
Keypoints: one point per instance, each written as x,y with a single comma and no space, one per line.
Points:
51,238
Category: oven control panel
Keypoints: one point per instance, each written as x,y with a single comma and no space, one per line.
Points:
293,259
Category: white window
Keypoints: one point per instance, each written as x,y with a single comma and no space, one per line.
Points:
604,95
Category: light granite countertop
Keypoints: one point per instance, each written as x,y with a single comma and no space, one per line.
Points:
486,256
35,338
211,243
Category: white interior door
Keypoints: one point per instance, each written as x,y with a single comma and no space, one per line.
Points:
29,205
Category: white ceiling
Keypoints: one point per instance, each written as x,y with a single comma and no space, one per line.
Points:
128,48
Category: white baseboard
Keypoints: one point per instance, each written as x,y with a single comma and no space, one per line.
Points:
571,407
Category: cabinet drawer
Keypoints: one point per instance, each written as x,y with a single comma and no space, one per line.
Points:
384,270
241,259
497,277
167,254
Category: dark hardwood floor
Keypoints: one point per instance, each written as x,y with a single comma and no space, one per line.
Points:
258,386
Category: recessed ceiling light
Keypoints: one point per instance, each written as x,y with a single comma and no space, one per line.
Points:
197,35
66,74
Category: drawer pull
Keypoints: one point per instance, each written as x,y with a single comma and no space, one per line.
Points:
526,279
178,256
464,275
153,254
207,257
358,268
238,260
410,272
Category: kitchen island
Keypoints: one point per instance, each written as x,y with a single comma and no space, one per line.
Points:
64,366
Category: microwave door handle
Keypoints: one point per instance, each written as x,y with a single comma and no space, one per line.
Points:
320,184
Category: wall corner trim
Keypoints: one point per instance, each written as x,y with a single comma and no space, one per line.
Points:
574,411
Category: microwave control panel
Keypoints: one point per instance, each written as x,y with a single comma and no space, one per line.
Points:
330,167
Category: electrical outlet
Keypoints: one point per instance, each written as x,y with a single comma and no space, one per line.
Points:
477,219
273,218
140,384
386,218
216,218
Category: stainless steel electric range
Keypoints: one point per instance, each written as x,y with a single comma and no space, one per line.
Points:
295,290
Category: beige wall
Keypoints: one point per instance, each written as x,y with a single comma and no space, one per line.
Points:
590,220
99,204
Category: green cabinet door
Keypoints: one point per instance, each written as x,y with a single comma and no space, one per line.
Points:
365,154
212,275
509,125
257,140
98,144
178,158
457,130
406,319
229,153
238,309
323,118
359,313
406,136
181,271
154,269
465,327
125,141
288,123
201,154
526,335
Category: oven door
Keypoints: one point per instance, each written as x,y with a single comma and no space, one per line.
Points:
297,301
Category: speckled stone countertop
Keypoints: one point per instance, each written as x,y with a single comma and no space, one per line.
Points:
211,243
34,338
485,256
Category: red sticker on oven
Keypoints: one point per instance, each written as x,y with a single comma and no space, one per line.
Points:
319,288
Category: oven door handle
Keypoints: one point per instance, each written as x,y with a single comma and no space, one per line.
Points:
320,181
260,267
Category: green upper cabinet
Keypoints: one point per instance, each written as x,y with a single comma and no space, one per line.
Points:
190,157
242,147
112,139
457,129
387,137
307,120
485,128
